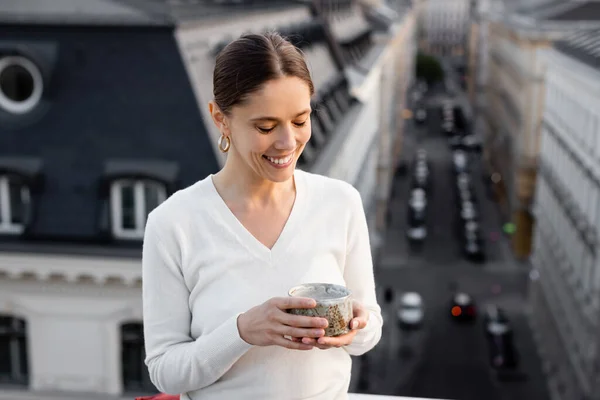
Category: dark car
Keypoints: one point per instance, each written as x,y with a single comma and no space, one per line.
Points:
473,248
462,307
492,316
417,207
502,351
420,115
471,142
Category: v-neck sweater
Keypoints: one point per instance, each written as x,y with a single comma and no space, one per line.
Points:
202,268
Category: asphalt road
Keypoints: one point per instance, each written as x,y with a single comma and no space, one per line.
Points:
444,360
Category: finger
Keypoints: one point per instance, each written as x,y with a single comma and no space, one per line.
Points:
285,330
285,303
290,344
310,341
301,321
337,341
358,310
313,342
358,323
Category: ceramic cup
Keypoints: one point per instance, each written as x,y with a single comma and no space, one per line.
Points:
333,303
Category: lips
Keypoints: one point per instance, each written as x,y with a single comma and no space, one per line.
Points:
279,161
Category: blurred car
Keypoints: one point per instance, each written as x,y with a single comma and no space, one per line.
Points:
499,334
468,211
460,161
410,311
417,204
420,115
418,232
492,317
473,248
462,307
471,142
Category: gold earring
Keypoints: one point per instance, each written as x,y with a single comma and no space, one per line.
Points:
223,138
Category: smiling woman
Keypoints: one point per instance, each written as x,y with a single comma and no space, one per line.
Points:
253,75
220,256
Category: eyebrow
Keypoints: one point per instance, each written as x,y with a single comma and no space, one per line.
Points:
267,118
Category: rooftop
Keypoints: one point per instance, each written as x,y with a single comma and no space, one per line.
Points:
583,46
128,12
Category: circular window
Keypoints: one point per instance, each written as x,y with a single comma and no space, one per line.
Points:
21,84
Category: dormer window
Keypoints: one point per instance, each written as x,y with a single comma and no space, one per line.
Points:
20,181
15,199
131,202
134,188
21,84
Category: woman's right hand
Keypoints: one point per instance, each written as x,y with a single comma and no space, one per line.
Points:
268,323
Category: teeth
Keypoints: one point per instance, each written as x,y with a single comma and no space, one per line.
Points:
280,161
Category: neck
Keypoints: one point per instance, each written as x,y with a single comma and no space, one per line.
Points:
236,182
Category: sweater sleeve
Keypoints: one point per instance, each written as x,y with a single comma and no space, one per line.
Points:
358,274
176,362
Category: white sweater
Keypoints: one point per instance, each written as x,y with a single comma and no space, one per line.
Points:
202,268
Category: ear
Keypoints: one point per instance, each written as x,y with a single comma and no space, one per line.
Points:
218,117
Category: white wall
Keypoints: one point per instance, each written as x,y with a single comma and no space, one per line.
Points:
569,267
446,21
73,332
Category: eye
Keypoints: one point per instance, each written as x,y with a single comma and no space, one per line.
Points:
265,129
301,124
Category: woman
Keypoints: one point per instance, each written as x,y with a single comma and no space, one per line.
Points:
220,256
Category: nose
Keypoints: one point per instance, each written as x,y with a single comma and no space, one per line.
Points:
286,139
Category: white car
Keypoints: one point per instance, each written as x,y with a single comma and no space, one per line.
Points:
410,310
421,115
416,233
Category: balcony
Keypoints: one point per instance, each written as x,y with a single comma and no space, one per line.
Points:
354,396
28,395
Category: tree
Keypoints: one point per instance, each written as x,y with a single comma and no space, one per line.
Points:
428,68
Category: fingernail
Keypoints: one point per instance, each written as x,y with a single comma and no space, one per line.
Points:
354,324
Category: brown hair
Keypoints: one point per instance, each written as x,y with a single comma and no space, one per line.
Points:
245,64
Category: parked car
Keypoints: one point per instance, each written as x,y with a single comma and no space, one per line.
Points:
420,115
417,204
462,307
502,352
460,161
410,311
473,249
468,211
492,317
418,232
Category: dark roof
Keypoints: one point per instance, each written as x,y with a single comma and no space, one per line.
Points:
583,46
588,11
121,95
128,12
562,11
74,11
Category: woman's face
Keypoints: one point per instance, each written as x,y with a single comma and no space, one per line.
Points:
270,129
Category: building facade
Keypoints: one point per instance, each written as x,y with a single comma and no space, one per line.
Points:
565,299
103,115
444,27
511,101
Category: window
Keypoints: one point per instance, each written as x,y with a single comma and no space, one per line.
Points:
21,84
14,203
134,371
13,351
131,201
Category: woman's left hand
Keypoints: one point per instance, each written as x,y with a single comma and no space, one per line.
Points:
359,321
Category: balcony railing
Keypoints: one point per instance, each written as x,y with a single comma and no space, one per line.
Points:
354,396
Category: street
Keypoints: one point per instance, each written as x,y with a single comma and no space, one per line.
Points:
443,359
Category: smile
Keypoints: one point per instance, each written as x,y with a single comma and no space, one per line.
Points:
280,162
